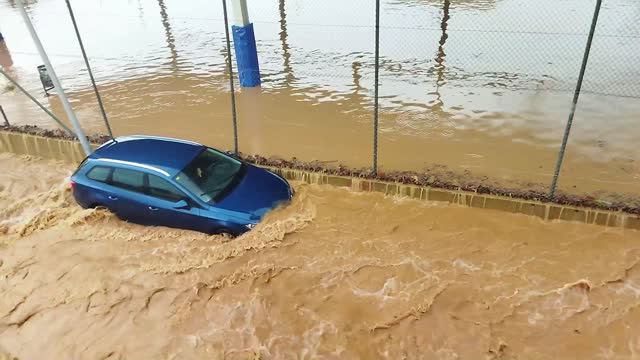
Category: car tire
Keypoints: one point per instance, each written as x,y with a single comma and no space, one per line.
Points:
100,206
223,231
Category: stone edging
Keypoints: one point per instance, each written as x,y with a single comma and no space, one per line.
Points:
71,151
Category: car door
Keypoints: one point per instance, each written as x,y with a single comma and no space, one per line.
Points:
125,195
164,206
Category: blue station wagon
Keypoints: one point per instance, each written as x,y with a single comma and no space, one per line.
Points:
180,184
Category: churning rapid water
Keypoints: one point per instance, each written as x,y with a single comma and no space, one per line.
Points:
335,275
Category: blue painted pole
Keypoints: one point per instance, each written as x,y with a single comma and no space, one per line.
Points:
244,41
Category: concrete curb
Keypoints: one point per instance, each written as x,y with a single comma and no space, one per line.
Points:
71,151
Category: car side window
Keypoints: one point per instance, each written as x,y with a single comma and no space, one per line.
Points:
128,179
162,189
100,173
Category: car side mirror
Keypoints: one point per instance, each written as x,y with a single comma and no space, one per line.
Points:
182,204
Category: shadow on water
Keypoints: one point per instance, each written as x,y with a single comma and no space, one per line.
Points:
441,55
356,66
171,42
460,4
286,54
359,95
140,10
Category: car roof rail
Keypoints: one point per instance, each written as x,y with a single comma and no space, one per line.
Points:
135,164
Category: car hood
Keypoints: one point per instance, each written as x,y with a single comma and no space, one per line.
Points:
258,192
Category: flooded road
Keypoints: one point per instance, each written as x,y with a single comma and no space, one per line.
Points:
335,275
481,88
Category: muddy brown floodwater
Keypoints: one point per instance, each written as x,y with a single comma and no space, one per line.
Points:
335,275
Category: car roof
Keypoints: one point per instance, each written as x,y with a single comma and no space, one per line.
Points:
167,154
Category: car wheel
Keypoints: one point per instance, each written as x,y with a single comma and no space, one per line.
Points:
100,206
224,232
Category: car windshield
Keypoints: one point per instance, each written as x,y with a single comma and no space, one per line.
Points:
211,175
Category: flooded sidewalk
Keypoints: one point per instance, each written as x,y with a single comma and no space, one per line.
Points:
336,275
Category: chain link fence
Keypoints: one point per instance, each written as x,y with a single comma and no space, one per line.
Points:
450,66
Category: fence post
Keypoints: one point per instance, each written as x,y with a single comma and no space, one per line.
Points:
230,66
376,91
56,82
244,41
574,105
86,61
6,121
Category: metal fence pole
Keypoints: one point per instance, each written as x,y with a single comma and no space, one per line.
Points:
6,121
86,61
376,91
576,96
230,66
54,78
55,118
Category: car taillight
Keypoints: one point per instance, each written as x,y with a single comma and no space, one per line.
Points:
73,184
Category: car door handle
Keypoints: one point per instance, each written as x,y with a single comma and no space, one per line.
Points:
153,208
112,197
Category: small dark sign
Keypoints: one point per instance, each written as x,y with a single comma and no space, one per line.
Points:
47,84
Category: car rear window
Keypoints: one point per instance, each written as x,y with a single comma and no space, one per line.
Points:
100,173
128,179
82,164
